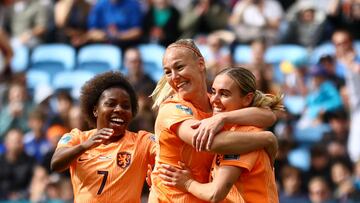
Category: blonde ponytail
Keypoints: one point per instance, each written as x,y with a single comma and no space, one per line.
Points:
161,92
274,102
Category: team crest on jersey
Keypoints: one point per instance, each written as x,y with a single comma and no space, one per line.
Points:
186,109
123,159
65,139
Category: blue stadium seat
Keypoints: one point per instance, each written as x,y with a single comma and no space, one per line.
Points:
37,77
20,60
99,58
53,58
72,80
242,54
294,53
151,55
300,158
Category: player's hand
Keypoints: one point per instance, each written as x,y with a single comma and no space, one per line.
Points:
180,178
206,131
98,138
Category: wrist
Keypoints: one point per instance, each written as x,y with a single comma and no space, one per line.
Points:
187,184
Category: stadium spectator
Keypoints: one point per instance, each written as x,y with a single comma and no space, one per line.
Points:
64,103
28,22
16,167
161,23
203,17
342,180
115,21
307,26
348,62
252,19
144,85
218,56
345,15
35,142
319,191
105,159
291,180
17,109
71,21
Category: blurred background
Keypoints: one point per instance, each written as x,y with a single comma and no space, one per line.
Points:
307,50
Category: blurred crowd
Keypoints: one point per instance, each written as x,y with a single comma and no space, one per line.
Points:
319,156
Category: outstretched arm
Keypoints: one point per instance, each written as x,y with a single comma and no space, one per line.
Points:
232,142
214,191
63,156
251,116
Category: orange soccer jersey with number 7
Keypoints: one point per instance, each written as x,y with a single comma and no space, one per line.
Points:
110,173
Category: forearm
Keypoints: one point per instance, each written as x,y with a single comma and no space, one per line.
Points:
204,192
241,142
63,157
251,116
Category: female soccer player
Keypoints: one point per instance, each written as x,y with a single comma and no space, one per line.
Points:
252,173
108,163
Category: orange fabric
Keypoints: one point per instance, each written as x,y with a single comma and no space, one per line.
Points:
113,172
171,149
257,179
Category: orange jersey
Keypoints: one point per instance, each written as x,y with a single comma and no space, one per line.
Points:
170,149
110,173
257,180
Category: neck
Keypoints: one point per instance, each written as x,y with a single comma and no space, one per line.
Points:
201,102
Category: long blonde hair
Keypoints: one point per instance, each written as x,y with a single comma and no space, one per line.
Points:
247,84
163,90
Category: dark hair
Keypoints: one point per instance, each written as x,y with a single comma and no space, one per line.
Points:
92,90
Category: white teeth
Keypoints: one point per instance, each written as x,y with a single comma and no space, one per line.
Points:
118,120
217,109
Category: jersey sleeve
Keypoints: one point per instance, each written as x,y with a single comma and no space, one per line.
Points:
149,142
171,114
245,161
70,139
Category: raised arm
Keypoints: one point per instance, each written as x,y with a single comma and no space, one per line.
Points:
214,191
64,156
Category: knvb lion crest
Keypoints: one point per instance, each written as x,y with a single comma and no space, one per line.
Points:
123,159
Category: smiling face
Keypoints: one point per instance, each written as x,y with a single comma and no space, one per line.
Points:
226,95
184,72
114,110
